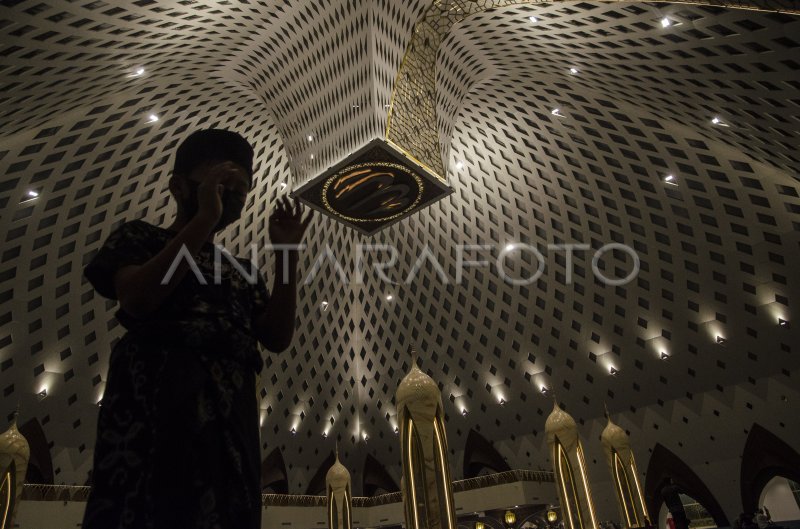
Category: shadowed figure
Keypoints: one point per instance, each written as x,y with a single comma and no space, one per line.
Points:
178,430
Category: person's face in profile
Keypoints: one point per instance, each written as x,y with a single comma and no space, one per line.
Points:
231,175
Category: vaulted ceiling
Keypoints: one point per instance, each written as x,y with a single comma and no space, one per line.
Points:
718,242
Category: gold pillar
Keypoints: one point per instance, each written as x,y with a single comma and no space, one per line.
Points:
622,465
339,491
14,456
427,488
569,465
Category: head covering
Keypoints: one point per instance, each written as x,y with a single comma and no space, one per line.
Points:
213,144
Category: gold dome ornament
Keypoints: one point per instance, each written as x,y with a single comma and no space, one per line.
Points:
339,492
14,456
569,466
622,465
426,485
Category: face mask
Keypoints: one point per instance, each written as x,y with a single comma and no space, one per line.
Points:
232,206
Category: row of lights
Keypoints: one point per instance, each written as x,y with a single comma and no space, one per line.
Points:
718,339
613,371
324,304
665,22
138,72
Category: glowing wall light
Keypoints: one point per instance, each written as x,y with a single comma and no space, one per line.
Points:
510,518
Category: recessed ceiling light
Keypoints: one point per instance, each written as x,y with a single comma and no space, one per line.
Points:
396,430
557,112
389,297
464,412
670,179
33,194
717,121
294,431
283,185
783,323
310,137
573,71
502,401
324,305
510,247
459,165
544,390
42,394
613,370
325,434
534,20
312,156
665,22
664,355
152,118
356,106
721,340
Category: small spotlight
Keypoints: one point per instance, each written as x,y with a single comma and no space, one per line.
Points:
545,391
324,305
152,118
356,106
557,112
783,323
573,71
717,121
366,437
396,430
42,394
325,435
502,401
389,297
459,165
533,20
294,431
283,185
312,156
670,179
664,355
100,403
613,370
310,137
665,22
721,340
464,412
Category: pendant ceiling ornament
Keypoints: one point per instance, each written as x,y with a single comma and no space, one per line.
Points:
413,119
394,177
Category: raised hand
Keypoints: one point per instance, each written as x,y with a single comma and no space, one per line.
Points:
287,223
211,187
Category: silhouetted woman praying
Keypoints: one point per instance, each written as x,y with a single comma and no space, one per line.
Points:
178,430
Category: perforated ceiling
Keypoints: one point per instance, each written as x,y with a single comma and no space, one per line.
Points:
718,251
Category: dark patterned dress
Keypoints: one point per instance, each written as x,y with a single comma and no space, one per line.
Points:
177,435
